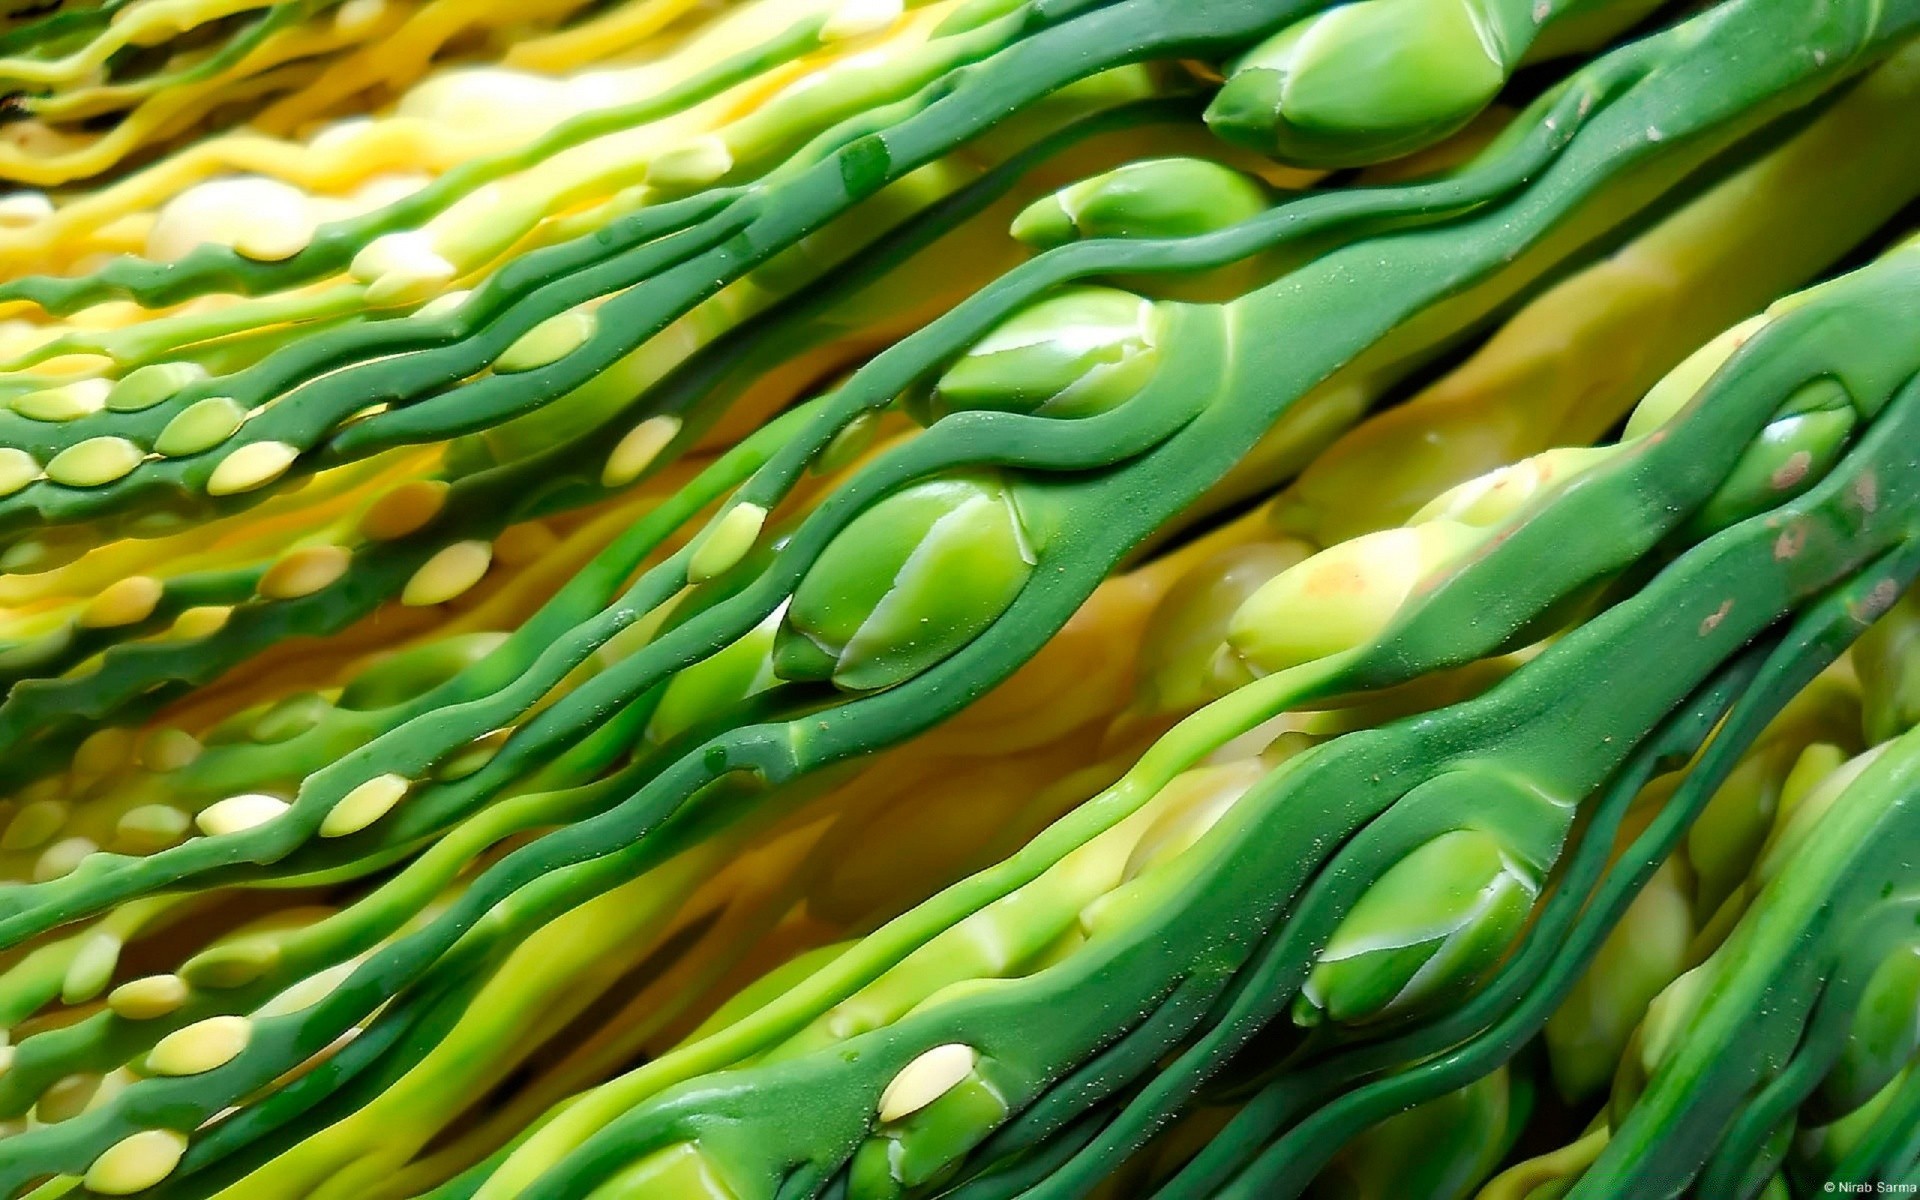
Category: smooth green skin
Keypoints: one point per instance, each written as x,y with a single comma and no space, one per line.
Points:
1077,354
583,832
906,584
715,684
1372,80
1154,198
1428,929
410,673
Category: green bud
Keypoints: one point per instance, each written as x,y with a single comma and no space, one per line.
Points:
1885,1034
1075,354
716,683
1429,927
1791,454
1152,198
400,677
1365,82
925,1147
1439,1150
906,584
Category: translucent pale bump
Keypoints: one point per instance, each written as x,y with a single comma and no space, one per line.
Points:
549,341
401,268
17,469
727,543
200,621
144,387
524,543
61,858
200,1047
102,751
22,209
253,465
34,824
926,1079
148,997
151,827
238,813
304,571
443,305
203,425
67,1098
252,214
448,574
635,452
136,1163
364,805
406,509
124,602
169,750
95,462
65,402
91,968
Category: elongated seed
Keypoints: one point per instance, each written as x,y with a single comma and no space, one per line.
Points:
727,544
253,465
144,387
169,750
34,824
150,827
202,426
125,602
549,341
91,969
62,857
136,1163
364,805
94,462
104,750
447,574
694,165
67,402
17,469
237,813
406,509
304,572
926,1079
635,452
148,997
201,1046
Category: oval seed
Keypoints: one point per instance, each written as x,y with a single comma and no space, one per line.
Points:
125,602
447,574
201,621
203,425
727,544
34,824
169,750
521,544
150,827
926,1079
200,1047
235,964
94,462
364,805
134,1164
66,402
149,997
61,858
103,750
635,452
17,469
304,572
238,813
406,509
91,969
549,341
66,1099
253,465
24,208
147,386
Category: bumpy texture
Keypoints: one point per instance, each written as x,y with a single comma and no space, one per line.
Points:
748,600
